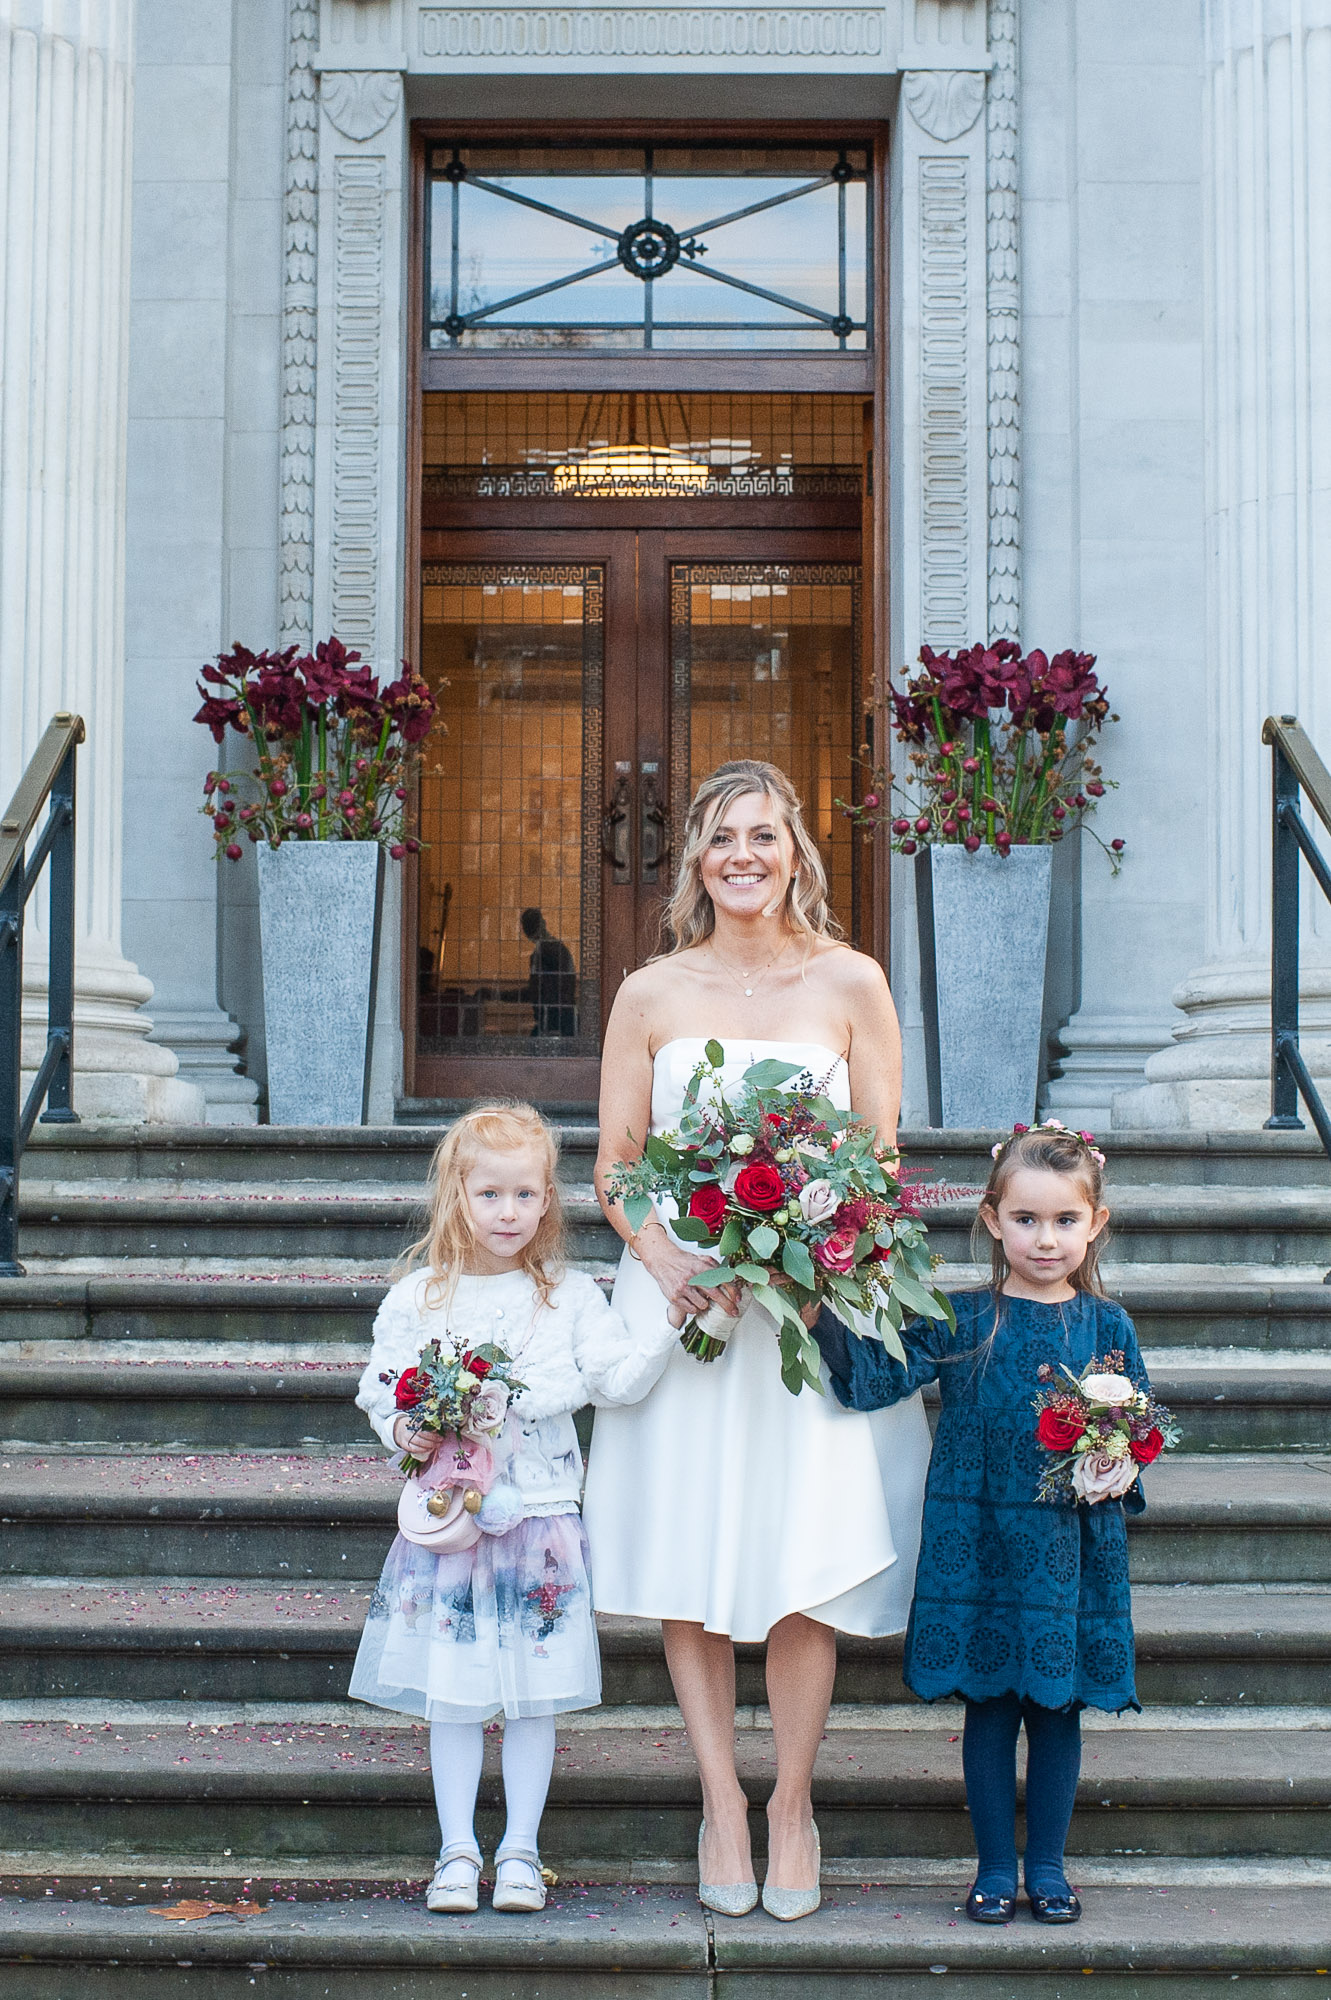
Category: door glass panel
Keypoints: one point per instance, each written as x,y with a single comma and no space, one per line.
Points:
509,926
766,661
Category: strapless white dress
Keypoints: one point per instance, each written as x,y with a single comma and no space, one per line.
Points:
722,1499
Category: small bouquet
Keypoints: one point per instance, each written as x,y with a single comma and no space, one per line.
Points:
1101,1430
791,1195
464,1393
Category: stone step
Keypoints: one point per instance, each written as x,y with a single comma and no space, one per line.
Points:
1277,1226
323,1798
1173,1305
234,1515
243,1640
616,1944
402,1153
85,1393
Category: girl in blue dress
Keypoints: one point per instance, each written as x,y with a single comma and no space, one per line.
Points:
1022,1607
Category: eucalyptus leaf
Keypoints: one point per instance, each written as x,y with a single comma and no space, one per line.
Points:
715,1054
753,1274
690,1229
637,1208
764,1241
732,1238
915,1298
720,1275
797,1263
771,1073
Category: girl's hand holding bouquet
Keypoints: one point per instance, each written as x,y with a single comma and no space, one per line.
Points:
1101,1430
794,1200
452,1393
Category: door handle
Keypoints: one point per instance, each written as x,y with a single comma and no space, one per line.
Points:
653,827
616,828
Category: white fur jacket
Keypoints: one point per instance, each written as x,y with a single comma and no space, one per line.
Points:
574,1351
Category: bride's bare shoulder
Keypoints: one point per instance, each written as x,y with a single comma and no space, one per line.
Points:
847,970
646,1001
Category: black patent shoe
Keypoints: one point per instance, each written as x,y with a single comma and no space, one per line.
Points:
1060,1908
984,1908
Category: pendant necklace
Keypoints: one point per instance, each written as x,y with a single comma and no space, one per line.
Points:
756,977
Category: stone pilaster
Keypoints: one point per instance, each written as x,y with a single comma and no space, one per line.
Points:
1267,168
65,95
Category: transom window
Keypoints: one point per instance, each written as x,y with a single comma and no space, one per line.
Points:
666,247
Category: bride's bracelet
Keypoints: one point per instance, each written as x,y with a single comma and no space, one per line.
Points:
633,1250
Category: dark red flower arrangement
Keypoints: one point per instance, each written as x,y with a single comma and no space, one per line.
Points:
999,749
334,750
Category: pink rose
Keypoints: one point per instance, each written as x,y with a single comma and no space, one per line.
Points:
837,1252
1097,1476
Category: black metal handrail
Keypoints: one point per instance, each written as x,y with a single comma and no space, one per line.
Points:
50,775
1296,768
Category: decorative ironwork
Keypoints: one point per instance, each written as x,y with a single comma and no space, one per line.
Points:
649,249
656,482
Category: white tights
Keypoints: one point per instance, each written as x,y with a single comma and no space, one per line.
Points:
456,1751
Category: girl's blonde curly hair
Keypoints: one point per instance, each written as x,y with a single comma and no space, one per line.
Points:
449,1238
689,918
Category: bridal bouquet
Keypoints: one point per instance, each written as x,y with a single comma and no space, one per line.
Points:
791,1196
463,1393
1101,1430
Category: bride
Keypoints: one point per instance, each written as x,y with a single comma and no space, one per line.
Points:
721,1504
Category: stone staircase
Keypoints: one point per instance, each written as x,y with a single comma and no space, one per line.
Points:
194,1514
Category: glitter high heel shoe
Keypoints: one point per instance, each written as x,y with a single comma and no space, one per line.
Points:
728,1899
788,1904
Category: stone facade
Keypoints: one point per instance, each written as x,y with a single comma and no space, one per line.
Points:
1106,256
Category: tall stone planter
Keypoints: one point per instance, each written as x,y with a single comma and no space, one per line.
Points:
984,930
319,912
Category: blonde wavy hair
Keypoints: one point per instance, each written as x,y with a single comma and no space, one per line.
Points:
689,917
449,1238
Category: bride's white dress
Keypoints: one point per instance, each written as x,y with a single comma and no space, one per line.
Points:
723,1499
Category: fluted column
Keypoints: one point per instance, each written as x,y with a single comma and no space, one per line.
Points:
1268,438
65,92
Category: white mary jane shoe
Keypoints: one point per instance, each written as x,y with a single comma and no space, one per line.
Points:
520,1881
455,1885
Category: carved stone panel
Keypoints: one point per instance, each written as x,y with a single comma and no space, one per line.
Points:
944,103
360,103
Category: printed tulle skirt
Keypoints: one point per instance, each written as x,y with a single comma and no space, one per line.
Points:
504,1627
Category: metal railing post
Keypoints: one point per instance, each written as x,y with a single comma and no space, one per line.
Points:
60,993
1284,942
11,1046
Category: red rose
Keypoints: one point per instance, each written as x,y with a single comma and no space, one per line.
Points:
837,1251
1058,1431
760,1186
412,1388
480,1369
1147,1448
707,1204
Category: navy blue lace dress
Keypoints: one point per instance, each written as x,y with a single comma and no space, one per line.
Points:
1013,1595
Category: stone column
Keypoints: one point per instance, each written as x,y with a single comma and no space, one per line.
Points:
1268,549
65,92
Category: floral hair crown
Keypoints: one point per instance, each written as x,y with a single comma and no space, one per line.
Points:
1052,1125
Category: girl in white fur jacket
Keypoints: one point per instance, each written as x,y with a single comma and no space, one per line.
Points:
507,1624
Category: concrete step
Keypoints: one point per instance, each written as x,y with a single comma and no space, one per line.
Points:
402,1153
659,1945
240,1798
1277,1226
196,1640
260,1515
102,1392
1179,1305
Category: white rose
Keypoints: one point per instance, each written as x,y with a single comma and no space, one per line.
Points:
812,1152
741,1144
1097,1476
489,1407
1112,1389
818,1200
466,1380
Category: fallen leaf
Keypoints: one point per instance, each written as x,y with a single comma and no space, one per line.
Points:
184,1912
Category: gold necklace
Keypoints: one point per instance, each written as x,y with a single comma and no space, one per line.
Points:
756,977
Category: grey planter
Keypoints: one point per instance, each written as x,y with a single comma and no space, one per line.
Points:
984,929
319,907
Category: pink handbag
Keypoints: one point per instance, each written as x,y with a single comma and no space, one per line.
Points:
437,1506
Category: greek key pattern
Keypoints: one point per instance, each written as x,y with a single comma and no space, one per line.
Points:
1004,326
684,34
524,482
358,260
944,554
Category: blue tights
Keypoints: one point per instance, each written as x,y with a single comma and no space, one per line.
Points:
1053,1764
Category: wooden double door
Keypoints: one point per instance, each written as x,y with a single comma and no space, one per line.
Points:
587,679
